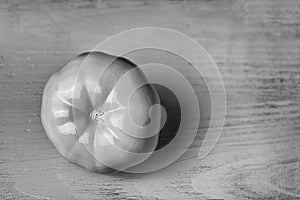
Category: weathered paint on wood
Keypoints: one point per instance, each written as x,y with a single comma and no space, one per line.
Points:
256,44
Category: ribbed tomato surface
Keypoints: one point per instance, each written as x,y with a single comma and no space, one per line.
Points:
97,114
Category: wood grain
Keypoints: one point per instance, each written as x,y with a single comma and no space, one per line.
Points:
256,45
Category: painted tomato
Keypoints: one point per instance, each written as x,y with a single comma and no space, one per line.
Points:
96,111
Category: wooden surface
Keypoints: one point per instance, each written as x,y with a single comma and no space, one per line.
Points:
256,44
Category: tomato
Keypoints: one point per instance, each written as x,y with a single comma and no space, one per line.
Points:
89,117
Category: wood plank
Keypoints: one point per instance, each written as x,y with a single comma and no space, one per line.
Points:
256,45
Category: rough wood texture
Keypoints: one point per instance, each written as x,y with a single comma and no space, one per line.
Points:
256,44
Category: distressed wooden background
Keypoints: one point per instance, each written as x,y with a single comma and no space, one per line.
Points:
255,43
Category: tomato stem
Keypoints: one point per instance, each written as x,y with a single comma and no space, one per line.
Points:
97,116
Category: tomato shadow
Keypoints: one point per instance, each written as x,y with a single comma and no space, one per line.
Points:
172,106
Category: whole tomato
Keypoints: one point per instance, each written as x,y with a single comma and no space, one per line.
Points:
96,112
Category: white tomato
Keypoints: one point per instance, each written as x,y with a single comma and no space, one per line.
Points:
95,122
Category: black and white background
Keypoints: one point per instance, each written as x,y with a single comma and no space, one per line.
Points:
256,46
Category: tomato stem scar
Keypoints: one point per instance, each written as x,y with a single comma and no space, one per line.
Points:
97,116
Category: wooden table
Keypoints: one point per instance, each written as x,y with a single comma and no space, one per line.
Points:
256,45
